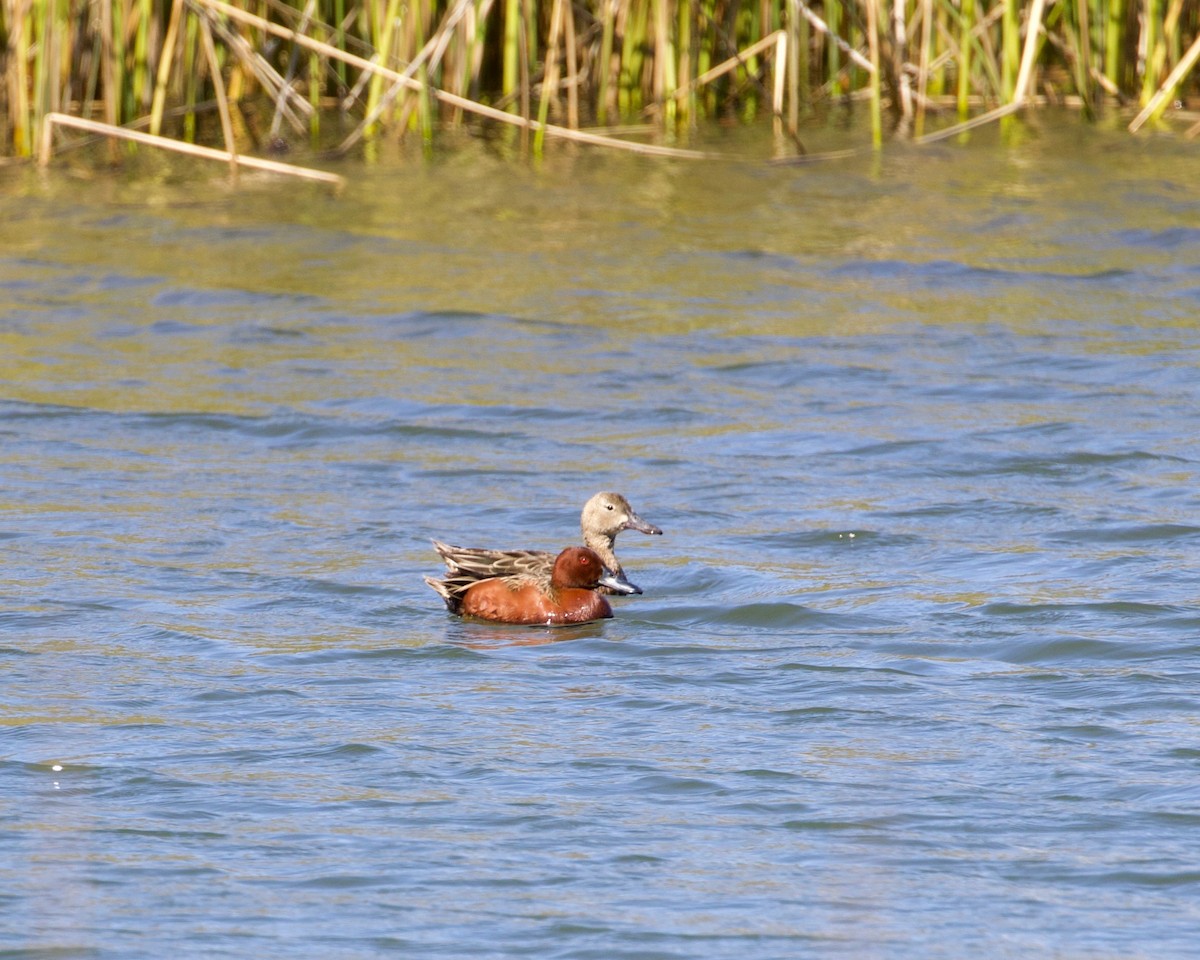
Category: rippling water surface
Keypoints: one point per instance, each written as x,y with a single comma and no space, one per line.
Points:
915,671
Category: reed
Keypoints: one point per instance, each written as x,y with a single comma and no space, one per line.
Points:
552,65
966,43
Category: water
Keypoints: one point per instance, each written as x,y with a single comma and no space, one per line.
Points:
915,670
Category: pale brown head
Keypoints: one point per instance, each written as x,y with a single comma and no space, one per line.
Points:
607,514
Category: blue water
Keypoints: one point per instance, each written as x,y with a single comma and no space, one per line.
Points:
915,670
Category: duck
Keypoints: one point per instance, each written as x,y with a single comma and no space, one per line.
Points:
567,595
603,517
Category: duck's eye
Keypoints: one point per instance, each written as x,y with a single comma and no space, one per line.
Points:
608,506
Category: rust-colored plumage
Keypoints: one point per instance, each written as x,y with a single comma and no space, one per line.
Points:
525,596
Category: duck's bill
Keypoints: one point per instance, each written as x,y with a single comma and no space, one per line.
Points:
618,584
637,523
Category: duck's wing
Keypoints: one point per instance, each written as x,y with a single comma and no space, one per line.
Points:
475,564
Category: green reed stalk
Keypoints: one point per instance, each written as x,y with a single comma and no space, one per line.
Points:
339,41
1010,60
425,108
1152,40
1114,43
923,67
383,47
937,74
510,70
833,55
633,59
191,48
1167,37
1082,67
704,52
134,56
685,105
604,64
40,24
749,24
314,99
572,50
533,19
665,76
88,49
58,43
477,40
138,96
23,138
874,15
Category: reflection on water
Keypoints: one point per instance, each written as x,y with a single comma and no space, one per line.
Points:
913,671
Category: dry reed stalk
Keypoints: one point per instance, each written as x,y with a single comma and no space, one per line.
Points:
797,70
165,61
293,105
1156,62
549,75
281,96
781,66
837,41
120,58
1084,72
109,68
737,60
525,52
982,120
572,67
1105,84
478,48
190,149
1032,28
813,158
214,70
471,106
1159,100
899,59
431,51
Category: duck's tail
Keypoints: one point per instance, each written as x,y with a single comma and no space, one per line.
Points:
446,590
